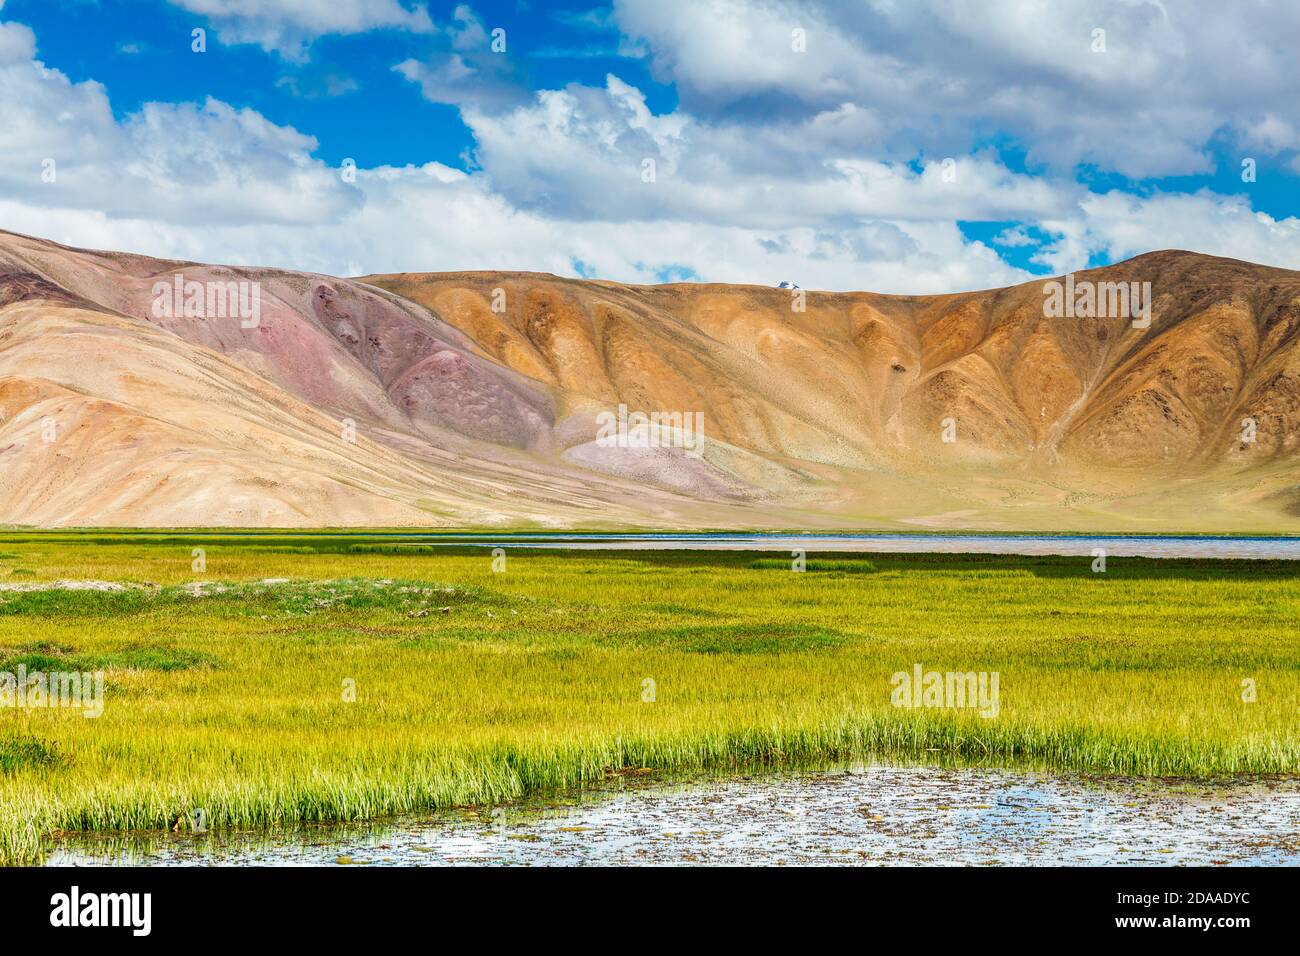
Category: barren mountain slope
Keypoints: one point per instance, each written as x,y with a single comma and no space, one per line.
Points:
1089,418
352,407
472,399
865,378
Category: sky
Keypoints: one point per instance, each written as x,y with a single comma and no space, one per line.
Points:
906,147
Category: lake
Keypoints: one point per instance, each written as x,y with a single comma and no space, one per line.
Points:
861,815
1153,546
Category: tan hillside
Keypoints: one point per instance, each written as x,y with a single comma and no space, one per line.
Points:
410,400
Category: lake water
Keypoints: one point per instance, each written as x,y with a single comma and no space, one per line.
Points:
868,815
1155,546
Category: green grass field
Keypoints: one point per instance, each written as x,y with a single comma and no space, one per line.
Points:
230,693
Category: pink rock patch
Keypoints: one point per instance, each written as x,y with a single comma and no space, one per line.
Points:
452,390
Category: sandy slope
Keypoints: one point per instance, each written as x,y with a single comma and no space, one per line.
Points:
409,399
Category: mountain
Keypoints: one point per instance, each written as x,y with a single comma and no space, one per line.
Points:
493,399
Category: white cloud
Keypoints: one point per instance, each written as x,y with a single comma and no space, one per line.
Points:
1271,133
186,163
943,73
810,199
17,43
435,219
1122,225
215,183
287,27
1014,237
463,69
581,153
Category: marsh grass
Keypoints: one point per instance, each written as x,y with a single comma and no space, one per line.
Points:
23,752
45,657
226,690
738,638
841,566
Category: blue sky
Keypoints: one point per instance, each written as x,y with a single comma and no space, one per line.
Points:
346,95
924,147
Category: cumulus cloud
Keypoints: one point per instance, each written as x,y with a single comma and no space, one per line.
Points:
1270,132
1121,225
17,43
814,195
216,183
600,153
190,164
947,72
